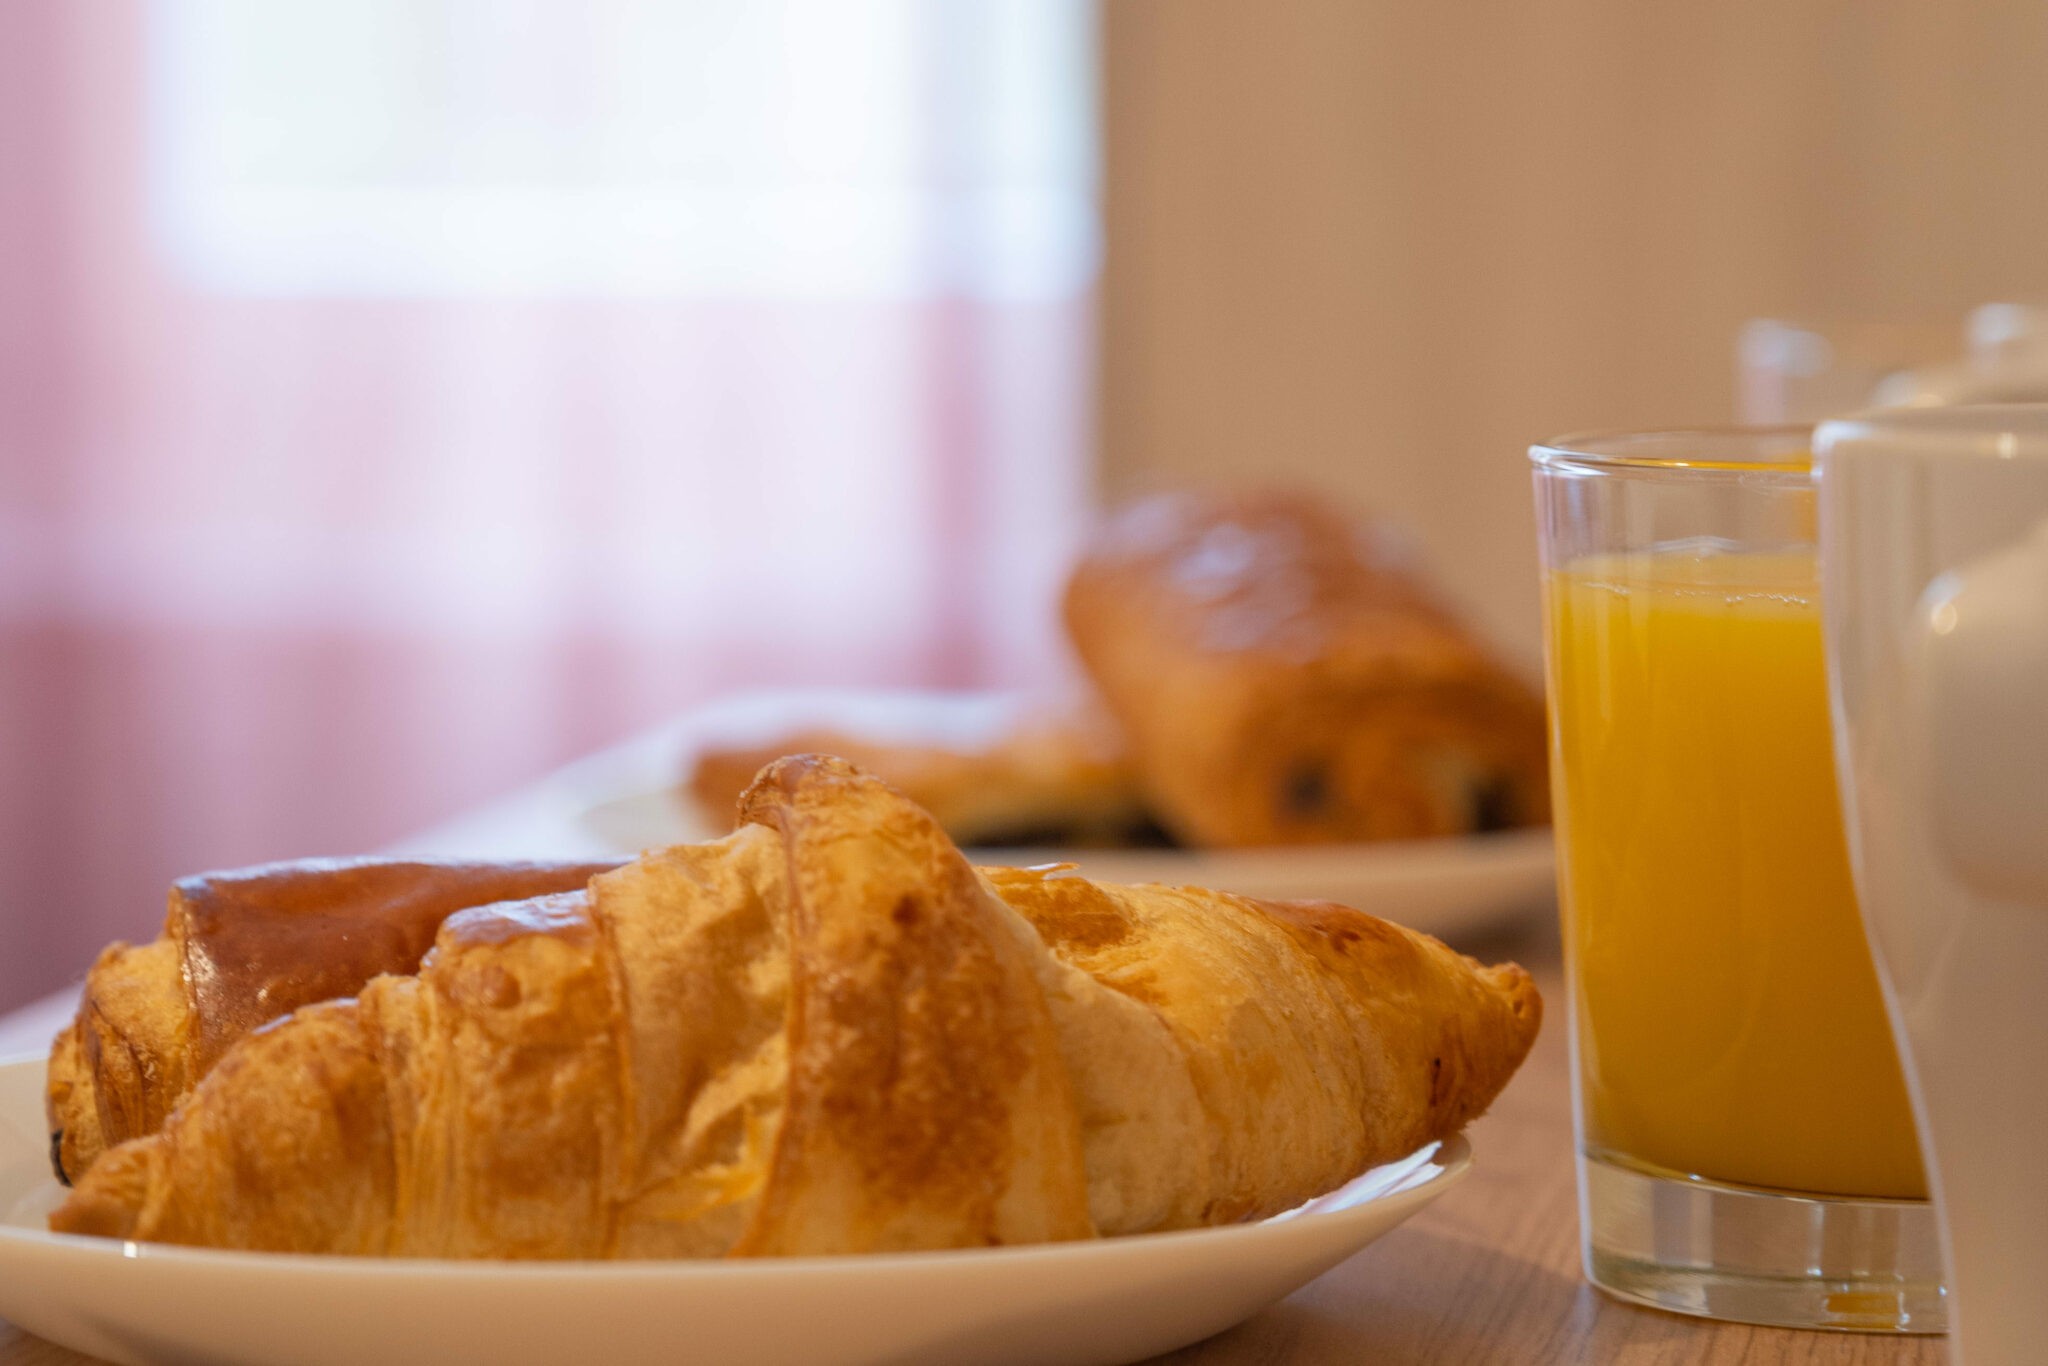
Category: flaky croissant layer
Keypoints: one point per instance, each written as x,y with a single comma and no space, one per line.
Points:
827,1033
239,950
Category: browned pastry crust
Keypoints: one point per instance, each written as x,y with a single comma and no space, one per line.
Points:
826,1033
239,950
1406,1039
1282,682
1055,777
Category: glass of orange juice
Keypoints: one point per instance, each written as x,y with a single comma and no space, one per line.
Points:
1746,1145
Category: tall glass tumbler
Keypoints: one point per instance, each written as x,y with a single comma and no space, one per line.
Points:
1746,1146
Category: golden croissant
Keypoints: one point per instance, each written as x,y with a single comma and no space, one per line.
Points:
827,1033
239,950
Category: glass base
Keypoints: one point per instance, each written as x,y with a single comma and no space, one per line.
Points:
1760,1256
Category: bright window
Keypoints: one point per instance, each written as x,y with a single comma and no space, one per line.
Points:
778,147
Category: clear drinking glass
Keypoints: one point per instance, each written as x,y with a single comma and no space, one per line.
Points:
1746,1146
1804,370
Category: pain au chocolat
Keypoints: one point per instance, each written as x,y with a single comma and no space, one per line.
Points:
1281,678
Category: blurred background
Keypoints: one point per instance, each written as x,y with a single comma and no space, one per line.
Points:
399,398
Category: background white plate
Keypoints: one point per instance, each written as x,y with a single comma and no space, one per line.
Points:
627,799
1110,1301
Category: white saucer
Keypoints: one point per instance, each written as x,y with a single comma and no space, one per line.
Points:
627,799
1098,1302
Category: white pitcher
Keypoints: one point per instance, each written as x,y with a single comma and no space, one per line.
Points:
1934,563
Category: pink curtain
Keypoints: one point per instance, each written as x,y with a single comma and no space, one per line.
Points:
287,571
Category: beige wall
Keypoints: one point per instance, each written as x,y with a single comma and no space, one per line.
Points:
1380,245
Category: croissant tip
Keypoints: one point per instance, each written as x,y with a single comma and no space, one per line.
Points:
1519,985
778,784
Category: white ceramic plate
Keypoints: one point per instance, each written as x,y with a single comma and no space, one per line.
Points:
626,799
1110,1301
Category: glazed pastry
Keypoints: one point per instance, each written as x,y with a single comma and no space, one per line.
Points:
1051,778
239,950
1282,681
827,1033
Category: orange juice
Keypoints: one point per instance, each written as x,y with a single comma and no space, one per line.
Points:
1729,1020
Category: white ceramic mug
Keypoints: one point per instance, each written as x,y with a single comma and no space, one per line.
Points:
1934,563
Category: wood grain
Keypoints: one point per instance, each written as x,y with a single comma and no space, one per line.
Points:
1489,1274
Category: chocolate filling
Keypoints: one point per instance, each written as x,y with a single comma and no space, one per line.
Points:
1493,806
1141,833
1307,790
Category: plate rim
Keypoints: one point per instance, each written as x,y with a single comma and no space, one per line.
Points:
1532,842
1438,1167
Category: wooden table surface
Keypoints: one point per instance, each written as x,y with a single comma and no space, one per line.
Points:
1487,1274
